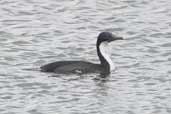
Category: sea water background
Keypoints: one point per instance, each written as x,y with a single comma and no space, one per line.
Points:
35,32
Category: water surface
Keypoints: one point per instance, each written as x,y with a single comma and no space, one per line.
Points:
36,32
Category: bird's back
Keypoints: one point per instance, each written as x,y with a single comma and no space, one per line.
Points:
71,67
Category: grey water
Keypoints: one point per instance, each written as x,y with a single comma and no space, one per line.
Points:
36,32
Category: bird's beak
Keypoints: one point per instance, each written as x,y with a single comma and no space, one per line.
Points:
116,38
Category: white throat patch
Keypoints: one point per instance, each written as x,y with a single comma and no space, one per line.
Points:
105,51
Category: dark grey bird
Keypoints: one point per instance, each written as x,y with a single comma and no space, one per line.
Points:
106,65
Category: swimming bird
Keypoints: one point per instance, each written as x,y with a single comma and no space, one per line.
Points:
106,65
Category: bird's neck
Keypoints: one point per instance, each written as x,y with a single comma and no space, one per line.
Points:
104,56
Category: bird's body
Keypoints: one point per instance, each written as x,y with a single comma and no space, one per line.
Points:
106,65
71,67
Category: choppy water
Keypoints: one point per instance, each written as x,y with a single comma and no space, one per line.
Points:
35,32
